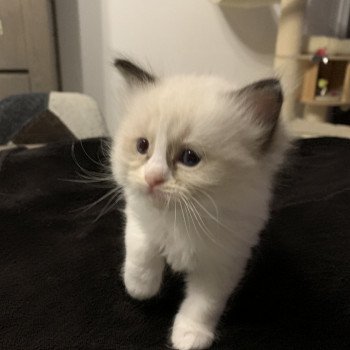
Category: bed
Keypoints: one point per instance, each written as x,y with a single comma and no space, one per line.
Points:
62,250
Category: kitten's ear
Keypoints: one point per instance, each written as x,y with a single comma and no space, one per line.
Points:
262,101
133,74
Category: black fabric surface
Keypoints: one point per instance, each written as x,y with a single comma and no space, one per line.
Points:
60,268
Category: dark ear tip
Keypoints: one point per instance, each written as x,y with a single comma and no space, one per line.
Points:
268,84
121,63
269,87
273,85
117,62
132,72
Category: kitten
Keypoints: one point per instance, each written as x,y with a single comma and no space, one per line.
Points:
196,160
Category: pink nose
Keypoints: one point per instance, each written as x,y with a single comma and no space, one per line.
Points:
154,179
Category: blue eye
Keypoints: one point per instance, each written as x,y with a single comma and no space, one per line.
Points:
142,145
189,158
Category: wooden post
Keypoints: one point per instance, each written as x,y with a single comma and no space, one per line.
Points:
288,47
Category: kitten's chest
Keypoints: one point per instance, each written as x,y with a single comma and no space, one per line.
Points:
178,250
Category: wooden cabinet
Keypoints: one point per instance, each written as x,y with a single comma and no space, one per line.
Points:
14,83
12,38
27,47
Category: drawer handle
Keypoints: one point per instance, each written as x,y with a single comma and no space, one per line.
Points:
1,28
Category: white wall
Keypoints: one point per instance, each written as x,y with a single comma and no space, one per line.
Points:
182,36
186,36
81,47
93,45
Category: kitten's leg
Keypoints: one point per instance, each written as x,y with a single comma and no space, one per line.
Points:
206,297
143,267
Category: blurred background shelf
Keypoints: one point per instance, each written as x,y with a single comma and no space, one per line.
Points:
307,101
336,75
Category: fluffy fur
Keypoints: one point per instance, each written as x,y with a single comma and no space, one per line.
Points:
215,209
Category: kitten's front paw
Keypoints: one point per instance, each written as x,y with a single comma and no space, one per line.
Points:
187,335
141,283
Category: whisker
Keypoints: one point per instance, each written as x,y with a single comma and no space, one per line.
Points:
90,206
167,203
108,206
203,227
189,209
228,229
88,156
185,221
97,182
105,147
97,179
175,216
90,174
212,201
206,211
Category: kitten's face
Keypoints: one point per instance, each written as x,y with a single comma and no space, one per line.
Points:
184,137
164,148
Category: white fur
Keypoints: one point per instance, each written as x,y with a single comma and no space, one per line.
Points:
208,235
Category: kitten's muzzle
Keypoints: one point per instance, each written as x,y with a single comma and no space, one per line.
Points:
154,180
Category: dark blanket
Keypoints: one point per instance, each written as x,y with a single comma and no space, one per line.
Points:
60,285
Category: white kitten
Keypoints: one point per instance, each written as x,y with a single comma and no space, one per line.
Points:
196,160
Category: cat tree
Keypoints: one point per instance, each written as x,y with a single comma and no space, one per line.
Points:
290,68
